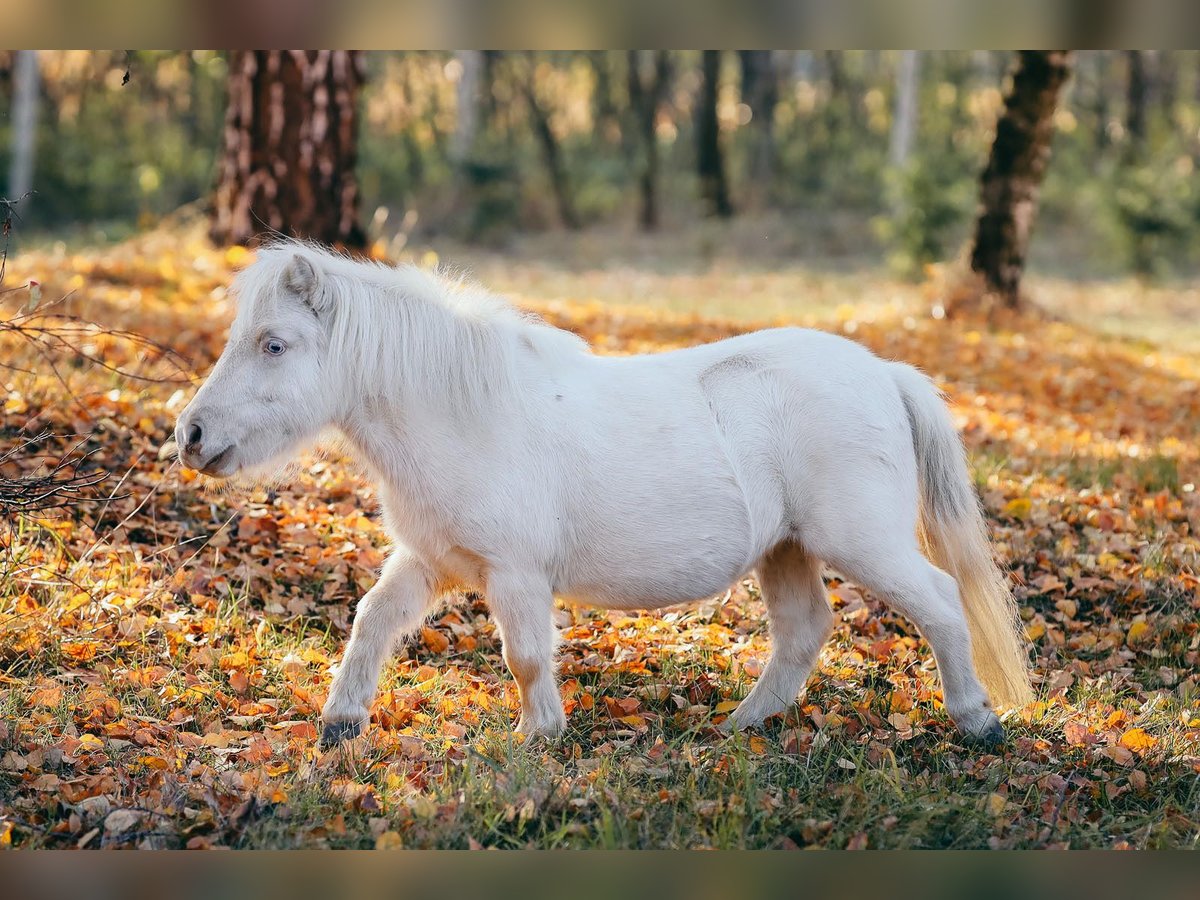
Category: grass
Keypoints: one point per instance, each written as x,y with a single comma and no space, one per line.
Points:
174,669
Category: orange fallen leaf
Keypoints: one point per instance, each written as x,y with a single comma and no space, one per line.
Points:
434,640
1138,740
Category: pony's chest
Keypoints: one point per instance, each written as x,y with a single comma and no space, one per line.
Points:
437,539
461,569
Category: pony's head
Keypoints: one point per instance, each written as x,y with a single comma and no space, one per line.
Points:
269,393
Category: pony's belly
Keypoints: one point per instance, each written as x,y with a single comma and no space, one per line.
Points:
624,574
644,594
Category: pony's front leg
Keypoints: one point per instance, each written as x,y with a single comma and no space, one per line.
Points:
394,607
523,608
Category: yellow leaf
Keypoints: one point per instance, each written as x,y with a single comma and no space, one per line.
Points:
6,830
727,706
996,804
236,257
90,743
235,660
78,599
1137,631
1018,509
389,840
758,745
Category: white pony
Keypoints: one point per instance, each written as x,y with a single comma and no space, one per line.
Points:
512,461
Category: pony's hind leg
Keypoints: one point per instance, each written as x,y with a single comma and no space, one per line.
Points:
930,598
393,607
801,621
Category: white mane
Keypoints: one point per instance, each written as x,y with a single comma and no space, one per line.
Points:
440,340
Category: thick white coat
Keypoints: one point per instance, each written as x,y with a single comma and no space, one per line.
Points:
513,461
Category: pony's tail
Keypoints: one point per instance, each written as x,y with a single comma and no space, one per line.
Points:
954,536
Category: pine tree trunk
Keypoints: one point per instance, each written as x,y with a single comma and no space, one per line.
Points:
290,148
468,94
1100,100
1009,185
605,120
551,150
645,98
1166,85
26,96
760,91
1136,97
904,124
714,189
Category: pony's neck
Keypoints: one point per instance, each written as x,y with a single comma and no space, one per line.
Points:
416,348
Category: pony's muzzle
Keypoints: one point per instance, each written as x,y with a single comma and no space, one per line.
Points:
189,437
194,452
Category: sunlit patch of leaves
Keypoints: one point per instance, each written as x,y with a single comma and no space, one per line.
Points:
164,652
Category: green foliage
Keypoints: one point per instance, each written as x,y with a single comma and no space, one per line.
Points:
108,153
930,207
1155,208
117,157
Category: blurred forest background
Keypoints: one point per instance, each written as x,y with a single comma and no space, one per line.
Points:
836,157
166,645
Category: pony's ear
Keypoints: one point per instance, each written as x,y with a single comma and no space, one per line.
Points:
302,279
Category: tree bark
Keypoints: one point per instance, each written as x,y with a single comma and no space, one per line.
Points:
760,91
468,96
1166,85
605,120
290,148
904,124
646,96
1010,183
1100,104
26,96
710,162
1136,96
551,150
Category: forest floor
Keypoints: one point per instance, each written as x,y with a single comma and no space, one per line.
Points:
164,654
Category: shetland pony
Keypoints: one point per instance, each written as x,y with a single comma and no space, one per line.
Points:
512,461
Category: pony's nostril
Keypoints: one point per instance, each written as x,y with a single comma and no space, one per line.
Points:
193,435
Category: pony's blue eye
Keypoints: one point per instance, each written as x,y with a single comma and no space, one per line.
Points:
274,346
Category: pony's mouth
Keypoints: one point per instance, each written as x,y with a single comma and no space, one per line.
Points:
214,465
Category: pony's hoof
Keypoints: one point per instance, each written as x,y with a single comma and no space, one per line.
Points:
544,732
335,732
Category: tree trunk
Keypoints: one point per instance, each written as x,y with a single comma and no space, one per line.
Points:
1100,99
290,148
760,92
714,189
604,110
645,98
1166,85
1009,185
551,151
26,94
1138,92
904,124
467,93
